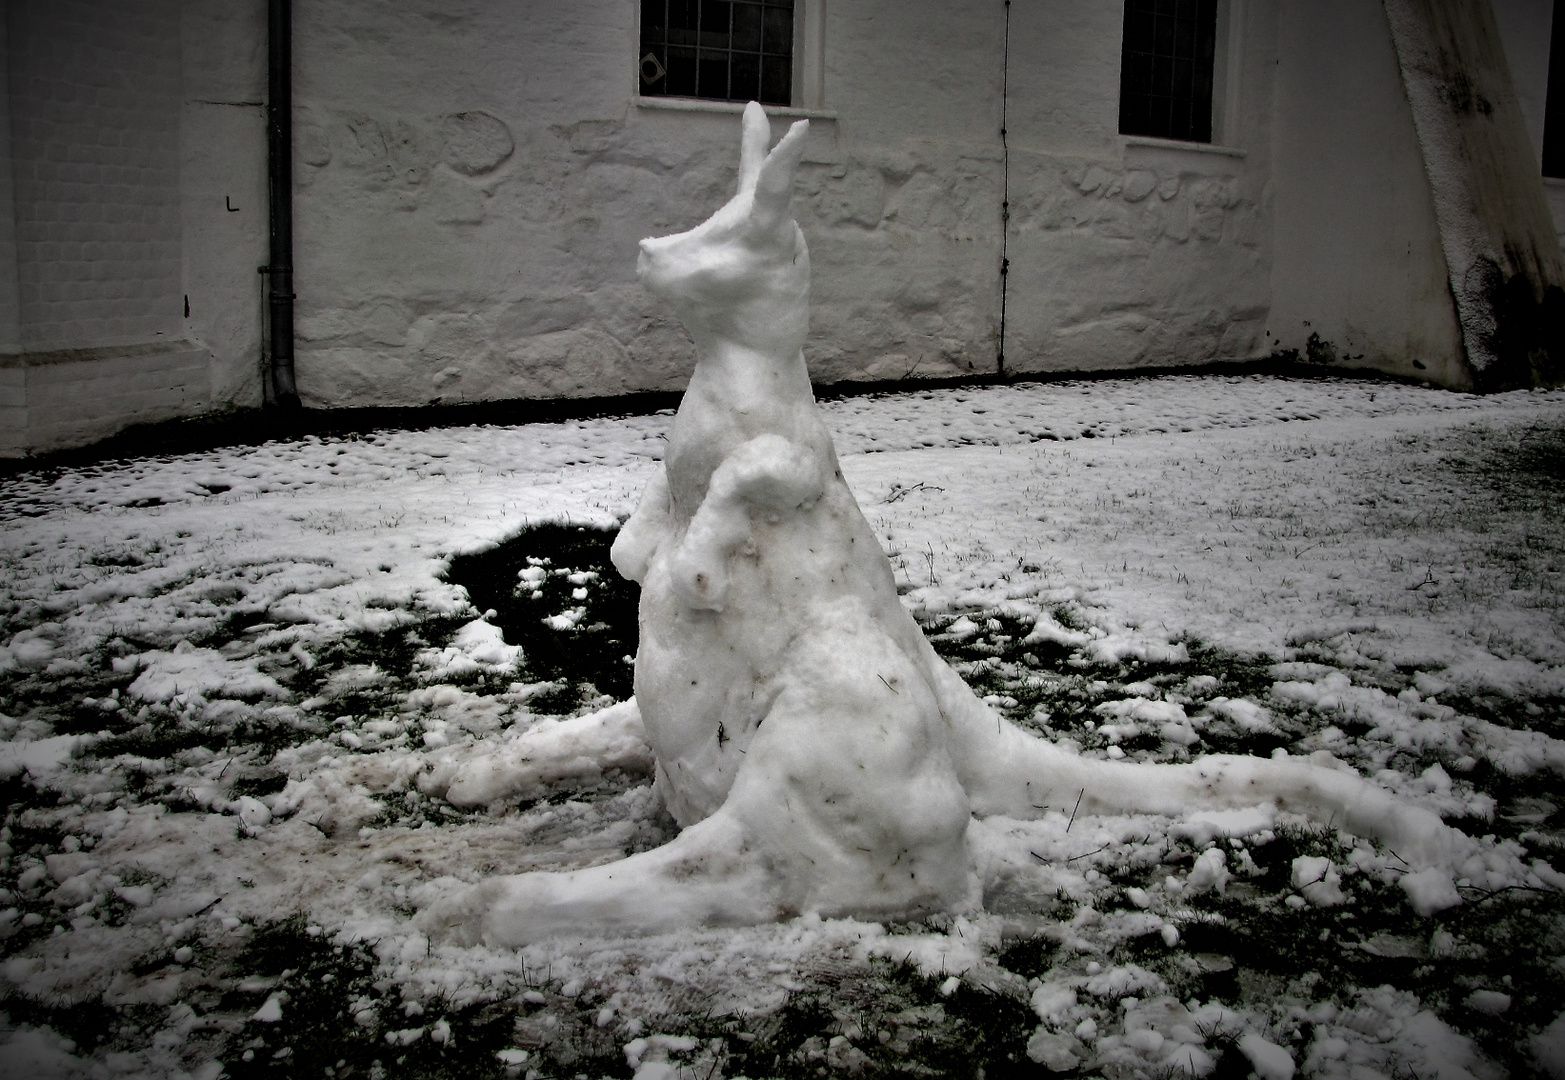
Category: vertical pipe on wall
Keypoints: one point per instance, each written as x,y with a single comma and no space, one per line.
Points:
1005,192
279,138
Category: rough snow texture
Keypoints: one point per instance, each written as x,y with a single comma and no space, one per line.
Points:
1549,1047
1315,523
1362,540
817,752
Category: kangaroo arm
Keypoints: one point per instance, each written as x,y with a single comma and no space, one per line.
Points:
769,475
643,531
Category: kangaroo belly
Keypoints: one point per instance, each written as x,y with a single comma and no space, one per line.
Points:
703,683
849,786
706,679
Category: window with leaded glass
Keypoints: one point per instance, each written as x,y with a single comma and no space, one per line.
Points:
722,50
1165,81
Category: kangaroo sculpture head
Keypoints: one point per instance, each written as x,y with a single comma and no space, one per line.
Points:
743,275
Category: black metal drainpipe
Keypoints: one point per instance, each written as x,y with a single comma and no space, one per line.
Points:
1005,193
279,145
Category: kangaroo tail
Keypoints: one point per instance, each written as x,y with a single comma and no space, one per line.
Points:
1009,772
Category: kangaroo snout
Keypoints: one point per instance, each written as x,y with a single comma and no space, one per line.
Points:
645,254
647,261
652,265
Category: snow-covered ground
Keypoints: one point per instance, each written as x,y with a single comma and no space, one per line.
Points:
250,729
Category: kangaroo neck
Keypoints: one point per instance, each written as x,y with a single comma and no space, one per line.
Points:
736,394
752,381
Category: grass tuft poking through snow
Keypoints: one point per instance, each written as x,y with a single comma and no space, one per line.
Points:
239,690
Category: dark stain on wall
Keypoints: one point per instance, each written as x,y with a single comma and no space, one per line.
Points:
1527,338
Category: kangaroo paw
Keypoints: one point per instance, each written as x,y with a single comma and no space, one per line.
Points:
641,534
768,475
552,755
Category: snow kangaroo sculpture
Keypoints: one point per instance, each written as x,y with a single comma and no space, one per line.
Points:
818,754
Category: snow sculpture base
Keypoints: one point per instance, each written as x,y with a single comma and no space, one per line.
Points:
818,754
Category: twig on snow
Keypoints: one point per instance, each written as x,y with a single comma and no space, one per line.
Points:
1490,894
1084,854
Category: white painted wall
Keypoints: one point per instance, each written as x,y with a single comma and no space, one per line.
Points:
472,176
95,162
1525,26
10,313
222,165
901,203
13,382
129,131
1525,30
422,278
1128,252
1554,191
427,275
1356,260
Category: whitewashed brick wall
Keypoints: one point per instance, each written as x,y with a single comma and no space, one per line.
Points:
95,107
59,400
10,341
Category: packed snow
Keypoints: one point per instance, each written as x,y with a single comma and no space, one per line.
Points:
765,599
202,746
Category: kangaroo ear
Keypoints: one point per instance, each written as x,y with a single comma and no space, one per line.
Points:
755,136
774,182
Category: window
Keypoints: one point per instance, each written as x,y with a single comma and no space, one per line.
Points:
1165,81
721,50
1554,102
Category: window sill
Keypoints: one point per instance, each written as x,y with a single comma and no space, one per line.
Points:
674,104
1554,181
1180,144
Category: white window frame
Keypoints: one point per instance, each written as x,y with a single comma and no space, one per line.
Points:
1227,71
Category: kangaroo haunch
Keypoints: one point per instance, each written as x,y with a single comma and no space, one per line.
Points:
818,754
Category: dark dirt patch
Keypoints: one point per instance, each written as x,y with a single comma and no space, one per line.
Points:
327,988
594,649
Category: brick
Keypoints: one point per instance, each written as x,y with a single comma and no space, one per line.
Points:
74,402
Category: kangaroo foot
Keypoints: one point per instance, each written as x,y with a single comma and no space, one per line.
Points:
704,877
